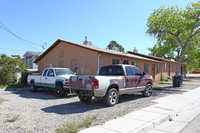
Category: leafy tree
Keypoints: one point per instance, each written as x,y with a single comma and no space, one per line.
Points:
115,45
176,30
9,65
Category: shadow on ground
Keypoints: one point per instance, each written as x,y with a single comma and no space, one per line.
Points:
79,107
44,94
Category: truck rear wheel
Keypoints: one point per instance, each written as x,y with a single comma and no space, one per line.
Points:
85,99
33,88
59,91
111,98
148,90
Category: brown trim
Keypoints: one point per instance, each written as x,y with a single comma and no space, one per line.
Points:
55,44
150,57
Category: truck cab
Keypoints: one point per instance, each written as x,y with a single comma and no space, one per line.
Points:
56,78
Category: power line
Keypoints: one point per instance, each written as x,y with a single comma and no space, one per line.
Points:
12,49
20,38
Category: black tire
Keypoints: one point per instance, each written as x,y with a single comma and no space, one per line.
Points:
59,91
85,99
33,88
148,90
111,98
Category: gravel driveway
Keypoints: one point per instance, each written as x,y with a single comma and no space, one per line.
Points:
42,112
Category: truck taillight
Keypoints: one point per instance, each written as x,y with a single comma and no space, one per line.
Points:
95,83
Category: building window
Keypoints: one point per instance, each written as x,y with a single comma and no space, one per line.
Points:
158,68
181,70
61,54
165,67
172,67
184,69
61,64
146,67
134,63
115,61
125,62
50,65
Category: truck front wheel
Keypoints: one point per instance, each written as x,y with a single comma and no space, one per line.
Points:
59,91
148,90
85,99
111,98
33,88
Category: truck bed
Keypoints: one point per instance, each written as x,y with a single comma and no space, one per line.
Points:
82,82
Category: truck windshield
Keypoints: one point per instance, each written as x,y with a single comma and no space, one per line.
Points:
63,72
111,70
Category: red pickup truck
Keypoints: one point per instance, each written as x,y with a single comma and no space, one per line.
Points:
112,81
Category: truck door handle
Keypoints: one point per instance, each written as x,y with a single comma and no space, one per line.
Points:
45,78
127,79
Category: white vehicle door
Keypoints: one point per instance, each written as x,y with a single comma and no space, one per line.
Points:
50,78
43,78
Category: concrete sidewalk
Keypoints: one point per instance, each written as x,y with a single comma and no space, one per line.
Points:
171,114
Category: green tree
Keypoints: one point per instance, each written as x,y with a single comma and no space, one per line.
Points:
176,30
115,45
9,65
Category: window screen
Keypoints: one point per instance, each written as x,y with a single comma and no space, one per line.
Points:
125,62
158,68
146,67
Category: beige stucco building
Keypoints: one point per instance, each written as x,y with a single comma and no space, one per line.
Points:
87,60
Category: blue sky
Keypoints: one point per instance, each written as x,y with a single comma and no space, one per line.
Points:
45,21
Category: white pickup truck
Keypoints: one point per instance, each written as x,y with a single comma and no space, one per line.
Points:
57,78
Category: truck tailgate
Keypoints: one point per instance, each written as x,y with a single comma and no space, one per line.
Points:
81,82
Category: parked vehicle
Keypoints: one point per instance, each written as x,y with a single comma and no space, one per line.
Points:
112,81
57,78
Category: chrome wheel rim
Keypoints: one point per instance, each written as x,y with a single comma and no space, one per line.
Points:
148,90
113,97
58,91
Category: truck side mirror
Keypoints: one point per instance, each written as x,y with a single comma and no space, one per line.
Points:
144,73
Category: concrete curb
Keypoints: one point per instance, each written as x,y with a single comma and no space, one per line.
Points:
150,119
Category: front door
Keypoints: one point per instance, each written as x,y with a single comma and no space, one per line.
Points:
153,70
74,66
169,69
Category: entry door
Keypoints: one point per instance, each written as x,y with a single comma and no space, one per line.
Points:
74,66
169,69
153,70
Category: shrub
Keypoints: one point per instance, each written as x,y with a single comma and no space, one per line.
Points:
23,79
